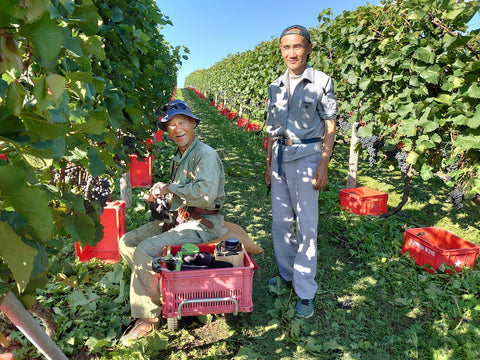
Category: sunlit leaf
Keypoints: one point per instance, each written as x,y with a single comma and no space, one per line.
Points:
40,30
19,256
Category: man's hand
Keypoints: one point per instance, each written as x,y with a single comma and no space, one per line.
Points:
320,177
149,198
159,189
268,176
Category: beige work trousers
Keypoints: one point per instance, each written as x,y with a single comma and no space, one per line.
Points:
138,248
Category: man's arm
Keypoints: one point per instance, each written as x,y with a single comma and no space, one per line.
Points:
320,178
268,170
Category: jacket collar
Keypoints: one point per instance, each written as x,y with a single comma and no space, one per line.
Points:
307,74
178,156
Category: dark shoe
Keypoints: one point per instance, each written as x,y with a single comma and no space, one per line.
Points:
139,329
304,308
273,281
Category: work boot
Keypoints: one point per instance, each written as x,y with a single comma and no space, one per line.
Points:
304,308
142,327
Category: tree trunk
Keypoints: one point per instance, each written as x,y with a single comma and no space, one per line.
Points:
353,159
46,316
126,190
406,193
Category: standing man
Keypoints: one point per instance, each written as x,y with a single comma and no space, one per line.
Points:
300,136
196,193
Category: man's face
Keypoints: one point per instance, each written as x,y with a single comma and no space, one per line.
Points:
181,130
295,49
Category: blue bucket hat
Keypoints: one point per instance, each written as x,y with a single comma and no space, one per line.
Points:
172,108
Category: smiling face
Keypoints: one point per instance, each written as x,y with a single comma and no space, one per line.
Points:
181,129
295,49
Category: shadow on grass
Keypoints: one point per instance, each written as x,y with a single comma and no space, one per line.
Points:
394,310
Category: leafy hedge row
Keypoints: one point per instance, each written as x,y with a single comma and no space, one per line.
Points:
75,77
408,70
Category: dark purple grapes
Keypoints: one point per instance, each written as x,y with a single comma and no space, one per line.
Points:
457,197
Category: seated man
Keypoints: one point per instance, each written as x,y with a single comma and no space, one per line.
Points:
196,185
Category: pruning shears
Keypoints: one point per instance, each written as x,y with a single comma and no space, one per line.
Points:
183,213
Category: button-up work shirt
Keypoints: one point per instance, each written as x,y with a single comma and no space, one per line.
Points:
312,102
197,178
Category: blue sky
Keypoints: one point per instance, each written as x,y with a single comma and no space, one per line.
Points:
213,29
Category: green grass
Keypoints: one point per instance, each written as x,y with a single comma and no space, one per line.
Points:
398,310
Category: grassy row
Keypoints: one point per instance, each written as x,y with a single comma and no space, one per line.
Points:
371,303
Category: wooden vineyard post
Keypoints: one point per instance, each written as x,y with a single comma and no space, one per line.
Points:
353,159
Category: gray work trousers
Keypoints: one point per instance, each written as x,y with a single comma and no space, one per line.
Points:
296,249
138,248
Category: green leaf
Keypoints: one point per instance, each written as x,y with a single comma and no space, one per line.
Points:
444,99
35,9
431,74
426,172
467,142
87,17
81,227
412,157
408,127
55,85
474,91
32,204
96,47
331,345
77,299
117,14
7,14
94,126
452,42
425,54
19,256
41,129
157,341
295,330
135,114
39,159
72,43
38,32
97,167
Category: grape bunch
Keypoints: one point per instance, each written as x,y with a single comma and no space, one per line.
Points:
97,189
129,141
373,145
457,197
344,125
401,158
74,173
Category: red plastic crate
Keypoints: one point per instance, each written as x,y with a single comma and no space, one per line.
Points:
241,122
140,171
6,356
435,246
364,201
234,282
113,221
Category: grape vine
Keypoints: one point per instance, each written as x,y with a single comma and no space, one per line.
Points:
418,91
73,75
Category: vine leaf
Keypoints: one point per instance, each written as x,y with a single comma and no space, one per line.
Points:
47,39
97,167
19,256
29,202
81,227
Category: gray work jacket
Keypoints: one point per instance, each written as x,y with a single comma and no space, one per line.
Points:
197,178
312,103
